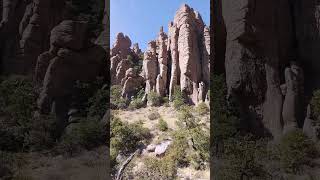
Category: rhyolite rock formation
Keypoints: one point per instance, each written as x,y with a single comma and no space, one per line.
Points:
122,65
45,40
269,51
25,31
58,69
180,58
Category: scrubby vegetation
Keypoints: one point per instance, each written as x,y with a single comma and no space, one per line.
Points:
163,125
126,138
154,99
315,103
178,98
24,130
116,99
248,156
202,109
296,150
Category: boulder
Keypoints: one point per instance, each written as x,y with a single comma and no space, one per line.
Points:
162,148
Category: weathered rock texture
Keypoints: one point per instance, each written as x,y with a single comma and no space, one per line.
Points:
270,60
122,65
58,70
180,58
25,31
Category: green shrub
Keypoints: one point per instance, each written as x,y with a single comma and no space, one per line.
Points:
41,134
116,98
83,91
6,165
201,143
224,119
17,104
202,109
244,156
136,103
296,150
88,134
153,115
98,104
315,103
154,99
178,98
166,167
186,119
158,169
179,146
166,102
125,137
162,125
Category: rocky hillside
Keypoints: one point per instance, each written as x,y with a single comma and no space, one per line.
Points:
179,58
267,53
270,60
160,118
54,83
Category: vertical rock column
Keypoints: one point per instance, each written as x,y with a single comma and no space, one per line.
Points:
161,86
173,47
190,26
150,66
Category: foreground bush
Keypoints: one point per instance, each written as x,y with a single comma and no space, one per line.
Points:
88,134
244,157
125,138
116,99
315,103
296,150
202,109
17,104
154,99
163,125
98,104
178,98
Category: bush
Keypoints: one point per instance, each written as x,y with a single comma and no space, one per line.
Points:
244,156
98,104
166,167
158,169
162,125
154,99
88,134
154,116
315,103
202,109
83,91
136,103
165,101
296,150
224,119
186,119
178,98
6,165
116,98
201,142
17,104
125,138
177,151
41,134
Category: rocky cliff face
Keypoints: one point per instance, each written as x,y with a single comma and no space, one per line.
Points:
25,29
179,58
270,60
42,38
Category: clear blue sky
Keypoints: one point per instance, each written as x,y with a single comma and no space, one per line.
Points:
141,19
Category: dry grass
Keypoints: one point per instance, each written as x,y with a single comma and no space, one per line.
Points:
85,166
